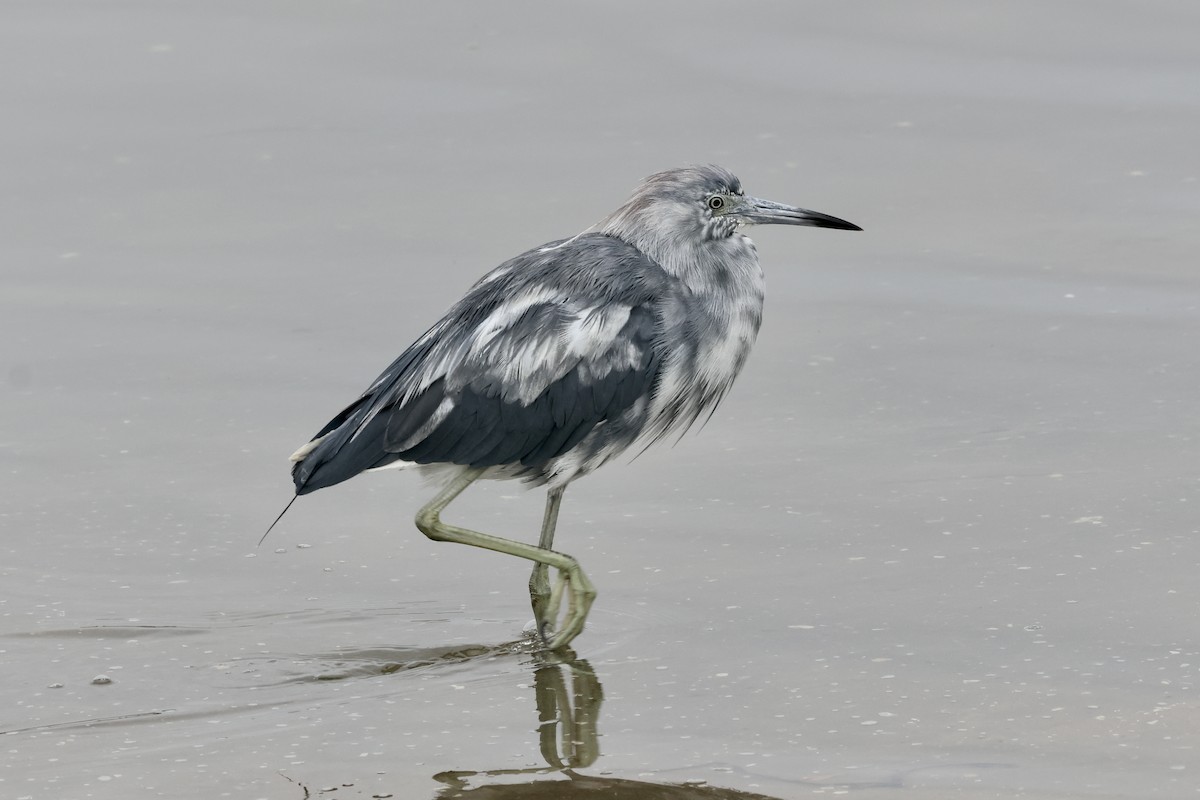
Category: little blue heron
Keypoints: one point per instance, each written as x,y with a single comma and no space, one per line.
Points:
564,357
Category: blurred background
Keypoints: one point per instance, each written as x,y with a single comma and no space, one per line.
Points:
940,540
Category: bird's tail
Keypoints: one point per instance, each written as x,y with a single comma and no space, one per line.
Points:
321,451
342,449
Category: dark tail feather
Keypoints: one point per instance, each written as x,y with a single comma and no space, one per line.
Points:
276,522
335,434
341,455
346,446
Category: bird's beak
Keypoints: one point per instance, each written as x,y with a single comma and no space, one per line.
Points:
752,211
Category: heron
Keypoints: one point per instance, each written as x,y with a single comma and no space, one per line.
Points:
564,357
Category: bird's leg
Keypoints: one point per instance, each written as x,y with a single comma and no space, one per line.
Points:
582,592
539,582
546,602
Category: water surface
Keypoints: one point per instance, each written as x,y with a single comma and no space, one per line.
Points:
940,541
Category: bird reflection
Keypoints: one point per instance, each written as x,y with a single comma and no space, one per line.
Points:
568,696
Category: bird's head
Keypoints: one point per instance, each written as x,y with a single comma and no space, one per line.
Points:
692,205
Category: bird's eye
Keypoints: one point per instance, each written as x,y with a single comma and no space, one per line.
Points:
716,202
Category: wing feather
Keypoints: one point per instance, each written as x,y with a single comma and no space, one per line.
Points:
534,357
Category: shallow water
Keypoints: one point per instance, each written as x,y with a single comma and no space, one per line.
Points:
939,542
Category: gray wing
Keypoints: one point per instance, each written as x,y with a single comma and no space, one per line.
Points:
538,354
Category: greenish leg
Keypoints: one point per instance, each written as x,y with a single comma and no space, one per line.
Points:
581,590
545,612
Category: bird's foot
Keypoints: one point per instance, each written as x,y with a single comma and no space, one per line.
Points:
579,592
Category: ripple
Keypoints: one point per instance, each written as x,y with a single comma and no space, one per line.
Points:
369,662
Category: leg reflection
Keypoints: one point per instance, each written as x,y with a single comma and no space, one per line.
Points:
568,702
568,696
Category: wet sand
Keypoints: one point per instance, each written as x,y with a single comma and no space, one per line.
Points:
940,541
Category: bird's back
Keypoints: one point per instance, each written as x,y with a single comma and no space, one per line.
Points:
543,370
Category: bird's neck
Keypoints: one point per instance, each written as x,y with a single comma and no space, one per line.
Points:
724,265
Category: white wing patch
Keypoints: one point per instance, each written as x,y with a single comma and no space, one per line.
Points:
523,359
594,341
507,313
594,330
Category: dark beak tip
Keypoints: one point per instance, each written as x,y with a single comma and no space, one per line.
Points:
837,224
829,221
